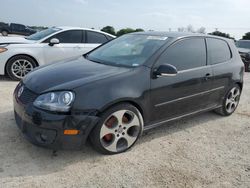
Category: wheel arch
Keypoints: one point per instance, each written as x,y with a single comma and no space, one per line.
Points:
240,84
5,30
23,54
127,101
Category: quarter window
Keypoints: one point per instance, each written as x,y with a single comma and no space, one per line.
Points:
96,38
218,51
185,54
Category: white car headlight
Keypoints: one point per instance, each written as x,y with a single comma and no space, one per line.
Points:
55,101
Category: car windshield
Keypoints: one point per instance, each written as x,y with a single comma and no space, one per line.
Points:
129,50
40,35
243,44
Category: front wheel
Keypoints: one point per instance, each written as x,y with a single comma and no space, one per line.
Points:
118,129
5,33
230,101
19,66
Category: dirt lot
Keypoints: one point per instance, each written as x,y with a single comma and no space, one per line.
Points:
204,151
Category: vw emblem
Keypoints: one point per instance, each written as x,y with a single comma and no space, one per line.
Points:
20,91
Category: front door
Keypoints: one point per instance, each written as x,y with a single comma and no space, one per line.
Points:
188,91
70,46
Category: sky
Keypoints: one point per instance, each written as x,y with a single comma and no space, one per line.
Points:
231,16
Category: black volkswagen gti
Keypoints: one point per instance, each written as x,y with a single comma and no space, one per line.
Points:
134,83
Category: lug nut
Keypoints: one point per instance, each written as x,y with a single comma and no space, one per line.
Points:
118,135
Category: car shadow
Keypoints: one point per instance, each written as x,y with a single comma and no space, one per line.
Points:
183,124
5,78
19,158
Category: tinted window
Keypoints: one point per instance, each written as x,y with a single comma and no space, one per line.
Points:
185,54
73,36
18,27
243,44
218,51
94,37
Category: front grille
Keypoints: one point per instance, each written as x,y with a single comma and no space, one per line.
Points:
27,96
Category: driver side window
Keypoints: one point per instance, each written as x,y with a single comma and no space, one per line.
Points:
185,54
72,36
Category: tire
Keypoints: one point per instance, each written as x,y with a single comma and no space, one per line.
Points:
19,66
118,129
230,101
5,33
247,69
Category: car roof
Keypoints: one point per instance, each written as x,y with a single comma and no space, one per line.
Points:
177,34
82,28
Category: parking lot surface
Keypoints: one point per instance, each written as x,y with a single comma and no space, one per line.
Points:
202,151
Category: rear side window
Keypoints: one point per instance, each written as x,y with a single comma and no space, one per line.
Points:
218,51
96,38
185,54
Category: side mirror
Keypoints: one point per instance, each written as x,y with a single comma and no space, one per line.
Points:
54,41
165,70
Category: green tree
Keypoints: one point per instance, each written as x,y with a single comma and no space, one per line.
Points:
139,30
109,29
218,33
246,36
128,30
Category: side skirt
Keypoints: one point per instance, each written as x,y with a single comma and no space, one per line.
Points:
151,126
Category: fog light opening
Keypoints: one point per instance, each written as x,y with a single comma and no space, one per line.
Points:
43,137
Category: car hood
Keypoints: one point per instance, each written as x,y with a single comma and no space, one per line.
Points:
69,75
14,40
244,50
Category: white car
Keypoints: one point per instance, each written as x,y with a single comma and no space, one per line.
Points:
19,55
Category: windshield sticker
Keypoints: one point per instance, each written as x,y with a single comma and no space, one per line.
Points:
135,65
156,38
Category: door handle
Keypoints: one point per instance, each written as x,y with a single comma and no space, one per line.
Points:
208,76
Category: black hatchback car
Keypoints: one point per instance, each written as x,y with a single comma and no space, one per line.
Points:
134,83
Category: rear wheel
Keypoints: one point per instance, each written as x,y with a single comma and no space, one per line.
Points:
247,66
118,129
5,33
19,66
230,101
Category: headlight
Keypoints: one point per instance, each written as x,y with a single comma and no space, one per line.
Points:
55,101
2,49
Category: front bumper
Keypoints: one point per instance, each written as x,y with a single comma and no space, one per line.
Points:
47,129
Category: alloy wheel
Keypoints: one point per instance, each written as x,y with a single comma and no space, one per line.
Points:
232,99
120,131
4,33
21,68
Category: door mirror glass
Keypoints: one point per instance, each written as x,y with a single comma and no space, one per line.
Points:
54,41
165,70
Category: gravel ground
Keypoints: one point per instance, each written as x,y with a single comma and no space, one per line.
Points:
203,151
